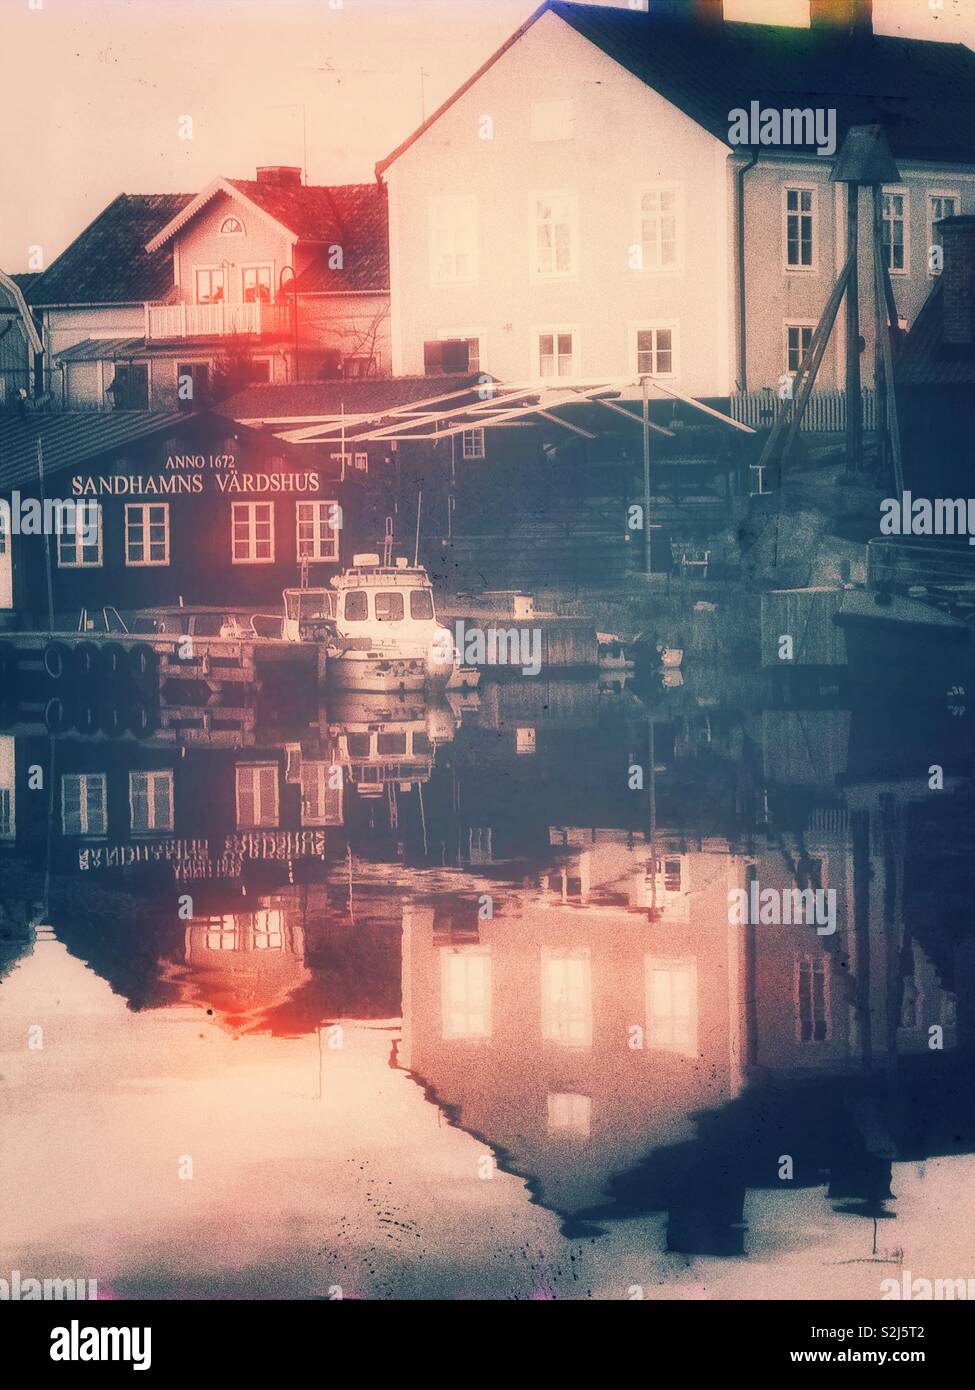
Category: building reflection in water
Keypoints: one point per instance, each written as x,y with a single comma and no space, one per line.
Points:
557,945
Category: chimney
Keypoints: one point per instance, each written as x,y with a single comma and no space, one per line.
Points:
853,17
687,11
283,175
958,280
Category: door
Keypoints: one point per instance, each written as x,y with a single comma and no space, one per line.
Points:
6,565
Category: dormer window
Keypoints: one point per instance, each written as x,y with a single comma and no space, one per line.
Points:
231,226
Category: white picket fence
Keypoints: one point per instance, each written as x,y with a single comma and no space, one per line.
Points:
825,410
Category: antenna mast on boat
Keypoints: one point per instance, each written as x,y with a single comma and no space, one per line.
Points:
388,544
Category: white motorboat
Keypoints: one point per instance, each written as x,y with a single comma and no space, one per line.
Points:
383,630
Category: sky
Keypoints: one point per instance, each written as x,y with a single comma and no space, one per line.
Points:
96,90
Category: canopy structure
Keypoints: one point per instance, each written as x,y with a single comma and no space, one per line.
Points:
491,405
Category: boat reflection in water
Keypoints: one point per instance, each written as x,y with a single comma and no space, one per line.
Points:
440,1000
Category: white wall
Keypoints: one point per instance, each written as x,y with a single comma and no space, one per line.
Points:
625,135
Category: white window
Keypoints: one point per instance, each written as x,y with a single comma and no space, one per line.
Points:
79,549
556,352
525,740
269,929
940,205
231,226
567,997
812,1003
556,217
453,240
210,285
8,786
223,932
318,537
798,339
896,239
800,228
656,350
147,533
84,799
569,1114
659,234
321,794
552,120
473,444
256,283
672,1005
465,991
257,796
252,533
151,800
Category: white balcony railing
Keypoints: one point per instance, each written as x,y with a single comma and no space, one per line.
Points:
215,320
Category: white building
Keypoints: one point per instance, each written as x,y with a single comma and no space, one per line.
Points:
577,208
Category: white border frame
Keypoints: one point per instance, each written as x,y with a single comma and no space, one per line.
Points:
655,185
797,186
903,191
636,326
542,277
147,563
252,538
83,564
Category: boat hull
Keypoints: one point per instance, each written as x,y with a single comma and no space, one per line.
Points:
351,671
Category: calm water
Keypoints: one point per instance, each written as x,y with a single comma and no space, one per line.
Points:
468,1017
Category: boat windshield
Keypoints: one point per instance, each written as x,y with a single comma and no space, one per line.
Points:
389,607
421,604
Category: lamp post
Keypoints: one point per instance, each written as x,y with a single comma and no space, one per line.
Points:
294,293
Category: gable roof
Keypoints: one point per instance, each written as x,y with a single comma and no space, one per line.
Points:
709,70
352,215
108,262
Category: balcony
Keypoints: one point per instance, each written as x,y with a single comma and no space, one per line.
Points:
215,320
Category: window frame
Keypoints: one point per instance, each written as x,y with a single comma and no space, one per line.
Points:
930,195
472,443
676,187
81,564
475,1006
571,195
316,557
152,774
787,326
84,778
813,215
555,330
257,265
645,326
210,270
322,771
148,562
251,559
256,769
900,191
671,965
814,962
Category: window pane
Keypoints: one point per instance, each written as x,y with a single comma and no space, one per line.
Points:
421,604
389,607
